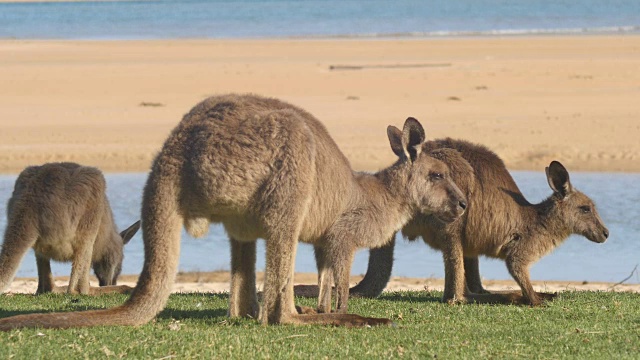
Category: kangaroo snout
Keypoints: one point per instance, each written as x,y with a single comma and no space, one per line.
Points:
604,235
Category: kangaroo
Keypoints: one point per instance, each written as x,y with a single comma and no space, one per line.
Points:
62,212
267,169
498,223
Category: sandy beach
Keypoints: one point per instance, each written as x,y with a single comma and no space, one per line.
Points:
531,99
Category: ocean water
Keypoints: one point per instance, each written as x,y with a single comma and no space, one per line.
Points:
616,195
313,18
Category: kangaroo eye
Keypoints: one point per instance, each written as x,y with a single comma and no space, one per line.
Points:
436,176
585,209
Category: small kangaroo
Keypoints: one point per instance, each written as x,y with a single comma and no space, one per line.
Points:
267,169
62,211
498,223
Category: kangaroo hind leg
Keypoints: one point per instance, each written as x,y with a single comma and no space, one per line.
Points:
45,278
243,299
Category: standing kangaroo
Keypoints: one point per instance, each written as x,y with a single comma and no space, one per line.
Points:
267,169
499,223
62,211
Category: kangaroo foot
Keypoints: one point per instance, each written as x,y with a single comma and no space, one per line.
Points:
547,296
111,289
306,310
510,297
59,289
118,289
455,300
518,299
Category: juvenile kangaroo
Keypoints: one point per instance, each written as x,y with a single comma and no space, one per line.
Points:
499,223
267,169
62,212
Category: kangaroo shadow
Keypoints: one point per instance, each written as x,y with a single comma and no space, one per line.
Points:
204,314
176,311
80,307
411,296
311,291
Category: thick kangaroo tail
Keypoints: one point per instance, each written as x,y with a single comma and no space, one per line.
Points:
161,226
20,235
378,272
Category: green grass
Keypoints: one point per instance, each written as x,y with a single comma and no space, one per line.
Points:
584,325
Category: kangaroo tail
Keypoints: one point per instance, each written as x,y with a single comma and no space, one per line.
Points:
19,236
161,225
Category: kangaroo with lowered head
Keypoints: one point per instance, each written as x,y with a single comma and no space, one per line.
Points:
267,169
62,212
498,223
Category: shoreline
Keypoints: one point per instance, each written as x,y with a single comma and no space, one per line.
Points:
462,35
218,281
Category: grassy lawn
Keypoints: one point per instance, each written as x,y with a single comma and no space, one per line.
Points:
594,325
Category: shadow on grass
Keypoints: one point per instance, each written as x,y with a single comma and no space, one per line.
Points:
8,313
412,296
213,314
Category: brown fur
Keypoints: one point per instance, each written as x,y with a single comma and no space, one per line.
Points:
267,169
62,211
499,223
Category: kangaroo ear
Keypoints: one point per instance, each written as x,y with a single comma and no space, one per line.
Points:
128,233
412,138
558,178
395,139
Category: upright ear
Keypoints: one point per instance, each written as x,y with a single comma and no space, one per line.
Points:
395,139
558,178
128,233
412,138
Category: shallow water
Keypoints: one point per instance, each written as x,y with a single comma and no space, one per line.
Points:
616,195
294,18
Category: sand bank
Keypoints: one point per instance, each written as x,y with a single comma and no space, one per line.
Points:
531,99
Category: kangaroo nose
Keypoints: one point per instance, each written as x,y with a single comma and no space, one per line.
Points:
462,204
605,232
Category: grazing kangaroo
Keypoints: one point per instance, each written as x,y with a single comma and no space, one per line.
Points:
62,211
267,169
499,223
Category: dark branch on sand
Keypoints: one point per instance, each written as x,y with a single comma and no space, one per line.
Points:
625,279
386,66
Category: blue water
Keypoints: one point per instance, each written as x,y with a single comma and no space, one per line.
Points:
616,195
307,18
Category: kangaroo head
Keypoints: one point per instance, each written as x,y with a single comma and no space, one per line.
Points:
108,268
576,209
429,186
